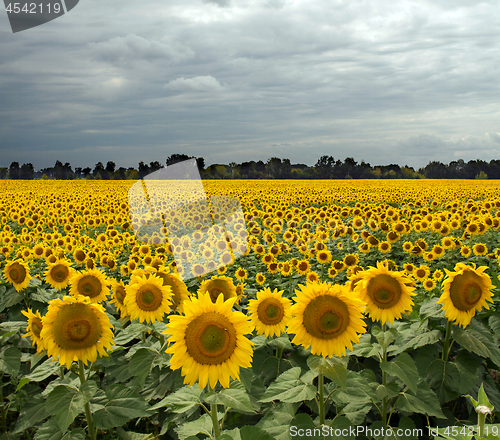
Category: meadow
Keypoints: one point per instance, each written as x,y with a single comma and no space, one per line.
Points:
328,309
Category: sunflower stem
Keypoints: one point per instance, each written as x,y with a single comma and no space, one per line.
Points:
384,382
88,413
321,391
215,420
446,345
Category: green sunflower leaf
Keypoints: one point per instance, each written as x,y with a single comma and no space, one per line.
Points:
404,368
120,406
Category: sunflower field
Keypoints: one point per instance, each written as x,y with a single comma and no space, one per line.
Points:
328,310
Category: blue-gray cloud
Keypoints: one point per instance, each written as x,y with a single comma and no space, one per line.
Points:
241,80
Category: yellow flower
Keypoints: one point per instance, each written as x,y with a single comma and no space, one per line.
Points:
260,278
75,329
312,277
217,286
324,257
327,318
479,249
17,273
270,312
303,267
92,284
147,299
119,292
429,284
180,292
209,342
387,293
464,291
241,274
58,274
34,328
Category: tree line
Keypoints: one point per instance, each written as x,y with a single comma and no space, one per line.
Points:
275,168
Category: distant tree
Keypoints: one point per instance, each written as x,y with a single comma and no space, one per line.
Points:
273,167
27,171
86,171
14,170
482,176
131,174
98,170
176,158
232,167
143,169
120,173
456,169
110,168
435,170
200,161
324,167
78,172
4,172
494,167
155,166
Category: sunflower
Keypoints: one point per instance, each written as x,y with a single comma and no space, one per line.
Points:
429,284
387,293
312,277
58,274
75,329
241,274
270,312
217,286
17,273
464,291
465,251
303,267
326,318
34,328
92,284
209,342
421,273
384,247
438,275
198,270
324,257
351,260
260,278
147,299
119,292
179,289
480,249
286,269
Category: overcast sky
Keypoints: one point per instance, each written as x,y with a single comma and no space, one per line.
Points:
402,82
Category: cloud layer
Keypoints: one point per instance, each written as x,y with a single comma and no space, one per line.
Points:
238,80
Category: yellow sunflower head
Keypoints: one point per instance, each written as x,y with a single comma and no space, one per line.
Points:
76,329
270,312
58,274
180,292
91,284
464,291
218,286
119,293
34,328
147,298
327,318
387,293
17,273
209,342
